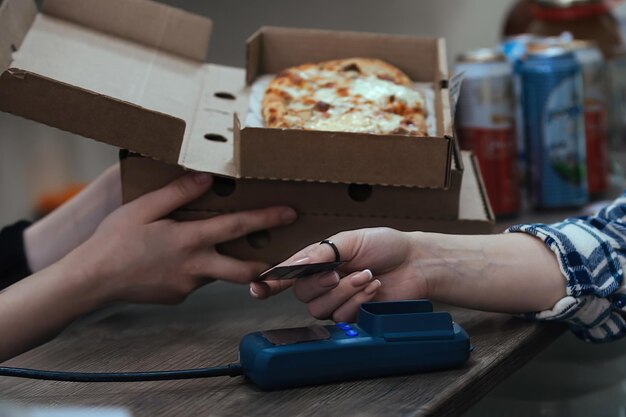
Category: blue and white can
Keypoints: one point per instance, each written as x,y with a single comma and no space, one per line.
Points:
552,106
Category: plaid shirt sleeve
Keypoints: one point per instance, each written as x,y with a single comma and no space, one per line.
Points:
591,252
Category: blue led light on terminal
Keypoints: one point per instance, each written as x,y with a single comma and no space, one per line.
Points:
352,333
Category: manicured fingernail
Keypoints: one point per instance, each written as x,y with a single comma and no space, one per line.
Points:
371,289
201,177
301,261
288,215
329,280
362,278
254,294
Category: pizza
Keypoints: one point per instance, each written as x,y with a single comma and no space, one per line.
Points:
346,95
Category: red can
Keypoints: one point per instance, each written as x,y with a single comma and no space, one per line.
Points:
484,120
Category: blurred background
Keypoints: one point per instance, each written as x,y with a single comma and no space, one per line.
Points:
40,166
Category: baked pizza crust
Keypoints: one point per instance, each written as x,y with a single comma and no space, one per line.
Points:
354,95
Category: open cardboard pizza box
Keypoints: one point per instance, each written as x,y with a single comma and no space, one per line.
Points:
132,73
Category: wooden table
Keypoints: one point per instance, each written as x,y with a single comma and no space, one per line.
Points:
205,331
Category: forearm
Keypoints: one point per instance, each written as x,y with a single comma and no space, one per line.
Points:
54,236
512,273
35,309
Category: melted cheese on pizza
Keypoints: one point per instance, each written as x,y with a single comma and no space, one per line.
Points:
309,97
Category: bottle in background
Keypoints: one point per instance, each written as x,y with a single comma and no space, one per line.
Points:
517,19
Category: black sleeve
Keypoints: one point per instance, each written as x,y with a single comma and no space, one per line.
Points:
13,263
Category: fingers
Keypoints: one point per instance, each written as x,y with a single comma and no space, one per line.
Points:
309,288
226,269
316,284
160,203
313,253
347,243
231,226
264,289
323,306
348,311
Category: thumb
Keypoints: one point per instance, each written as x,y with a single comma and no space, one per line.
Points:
160,203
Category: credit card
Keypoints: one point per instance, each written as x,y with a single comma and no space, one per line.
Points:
297,271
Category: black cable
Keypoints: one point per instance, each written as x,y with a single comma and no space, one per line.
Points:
228,370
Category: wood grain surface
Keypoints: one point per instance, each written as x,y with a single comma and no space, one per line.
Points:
205,331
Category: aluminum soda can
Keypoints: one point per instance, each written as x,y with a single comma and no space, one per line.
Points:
617,101
595,106
514,48
484,121
552,106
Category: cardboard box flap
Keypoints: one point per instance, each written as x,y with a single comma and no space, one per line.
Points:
145,22
211,133
16,17
125,94
89,114
272,49
381,160
446,103
474,202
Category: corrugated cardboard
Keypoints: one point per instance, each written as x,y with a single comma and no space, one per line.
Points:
141,175
147,23
15,20
98,85
86,66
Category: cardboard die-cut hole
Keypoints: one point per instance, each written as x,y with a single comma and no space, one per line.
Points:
223,186
260,239
215,137
224,95
360,192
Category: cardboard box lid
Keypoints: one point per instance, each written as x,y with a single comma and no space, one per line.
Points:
87,67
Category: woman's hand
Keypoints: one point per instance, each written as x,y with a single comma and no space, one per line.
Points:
381,264
137,255
511,273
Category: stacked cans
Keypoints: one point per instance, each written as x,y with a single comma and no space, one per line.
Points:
559,103
485,124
